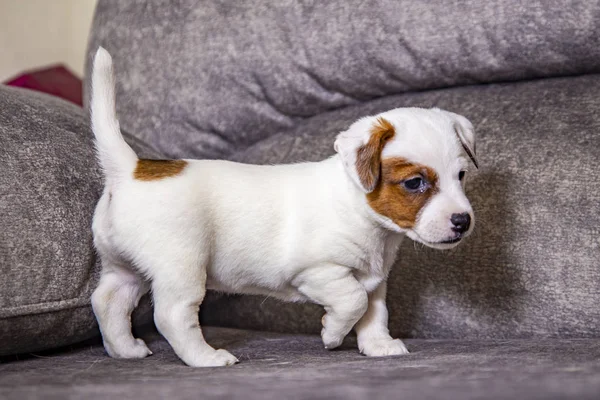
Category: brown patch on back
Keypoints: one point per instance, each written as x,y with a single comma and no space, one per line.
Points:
392,200
368,158
151,170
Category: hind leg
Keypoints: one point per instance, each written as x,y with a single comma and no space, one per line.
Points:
113,301
178,288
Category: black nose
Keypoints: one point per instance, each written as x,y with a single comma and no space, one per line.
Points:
461,222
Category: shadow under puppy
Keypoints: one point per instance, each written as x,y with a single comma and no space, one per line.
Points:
325,232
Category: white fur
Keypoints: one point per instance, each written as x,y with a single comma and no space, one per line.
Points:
301,232
116,160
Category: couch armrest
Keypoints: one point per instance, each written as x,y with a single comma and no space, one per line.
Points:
49,184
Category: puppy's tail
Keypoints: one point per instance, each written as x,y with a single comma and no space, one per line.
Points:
116,157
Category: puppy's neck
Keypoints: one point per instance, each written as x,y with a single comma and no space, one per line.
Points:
377,237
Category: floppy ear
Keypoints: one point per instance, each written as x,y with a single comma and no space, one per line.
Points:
465,133
360,150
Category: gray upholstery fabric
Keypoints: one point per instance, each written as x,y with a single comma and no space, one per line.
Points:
531,269
297,367
265,82
207,78
49,186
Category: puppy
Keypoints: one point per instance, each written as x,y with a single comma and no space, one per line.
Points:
325,232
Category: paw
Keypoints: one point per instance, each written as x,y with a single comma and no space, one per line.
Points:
382,347
214,358
331,339
134,349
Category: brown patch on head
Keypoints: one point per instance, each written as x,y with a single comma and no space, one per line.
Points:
392,200
368,157
151,170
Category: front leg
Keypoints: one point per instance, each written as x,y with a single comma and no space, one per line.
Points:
372,332
344,298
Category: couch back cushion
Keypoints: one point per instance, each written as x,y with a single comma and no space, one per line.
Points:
208,78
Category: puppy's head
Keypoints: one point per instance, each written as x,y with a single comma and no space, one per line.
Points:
411,164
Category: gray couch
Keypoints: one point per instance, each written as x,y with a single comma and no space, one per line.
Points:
512,313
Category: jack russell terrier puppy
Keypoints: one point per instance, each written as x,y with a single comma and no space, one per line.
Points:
325,232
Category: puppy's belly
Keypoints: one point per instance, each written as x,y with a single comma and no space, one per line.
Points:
288,293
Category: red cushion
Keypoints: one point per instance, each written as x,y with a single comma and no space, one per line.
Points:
56,80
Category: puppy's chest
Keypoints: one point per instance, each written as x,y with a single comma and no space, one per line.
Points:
378,263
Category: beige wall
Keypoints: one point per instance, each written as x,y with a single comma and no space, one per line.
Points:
37,33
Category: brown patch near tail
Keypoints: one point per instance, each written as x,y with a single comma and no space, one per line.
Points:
151,170
392,200
368,157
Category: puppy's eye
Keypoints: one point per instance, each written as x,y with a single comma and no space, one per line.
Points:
414,184
461,175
